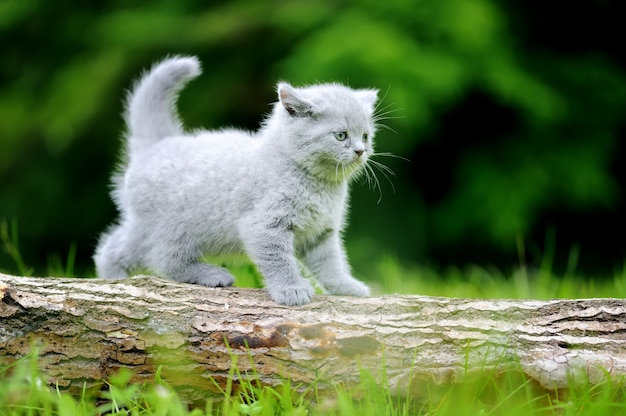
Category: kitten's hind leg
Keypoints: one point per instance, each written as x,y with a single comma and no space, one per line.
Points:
111,254
201,274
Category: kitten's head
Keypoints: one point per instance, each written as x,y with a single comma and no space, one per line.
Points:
329,128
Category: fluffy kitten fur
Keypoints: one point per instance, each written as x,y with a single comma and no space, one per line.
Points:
277,195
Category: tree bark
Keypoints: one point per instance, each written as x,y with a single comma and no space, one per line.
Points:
86,329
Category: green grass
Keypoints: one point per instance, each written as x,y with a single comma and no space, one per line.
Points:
391,276
24,391
9,244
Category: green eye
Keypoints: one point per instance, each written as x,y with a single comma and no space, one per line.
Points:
341,135
365,137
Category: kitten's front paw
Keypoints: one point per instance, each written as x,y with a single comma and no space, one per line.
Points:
293,295
348,286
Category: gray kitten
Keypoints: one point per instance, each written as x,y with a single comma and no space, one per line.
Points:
277,195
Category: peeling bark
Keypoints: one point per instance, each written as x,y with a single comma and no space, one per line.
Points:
87,329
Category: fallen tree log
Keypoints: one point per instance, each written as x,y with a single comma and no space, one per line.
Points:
87,329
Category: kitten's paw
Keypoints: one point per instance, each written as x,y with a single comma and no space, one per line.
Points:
207,275
348,286
293,295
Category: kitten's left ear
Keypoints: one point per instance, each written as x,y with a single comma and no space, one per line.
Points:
294,103
368,98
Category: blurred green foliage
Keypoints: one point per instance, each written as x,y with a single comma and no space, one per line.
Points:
504,134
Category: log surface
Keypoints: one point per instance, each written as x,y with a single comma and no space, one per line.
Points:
87,329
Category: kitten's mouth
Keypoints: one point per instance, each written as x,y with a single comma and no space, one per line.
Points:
350,167
359,160
339,170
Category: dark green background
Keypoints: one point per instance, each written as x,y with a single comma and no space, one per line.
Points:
511,113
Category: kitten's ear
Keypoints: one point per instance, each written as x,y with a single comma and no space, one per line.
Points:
368,98
294,103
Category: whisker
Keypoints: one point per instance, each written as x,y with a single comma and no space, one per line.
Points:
386,127
383,167
382,99
383,113
388,154
386,171
366,177
373,182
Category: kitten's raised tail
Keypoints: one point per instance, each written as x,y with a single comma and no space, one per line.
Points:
150,109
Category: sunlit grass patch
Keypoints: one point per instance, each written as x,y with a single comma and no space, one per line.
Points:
24,391
392,276
492,390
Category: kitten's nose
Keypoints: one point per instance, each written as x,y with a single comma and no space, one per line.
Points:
358,152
